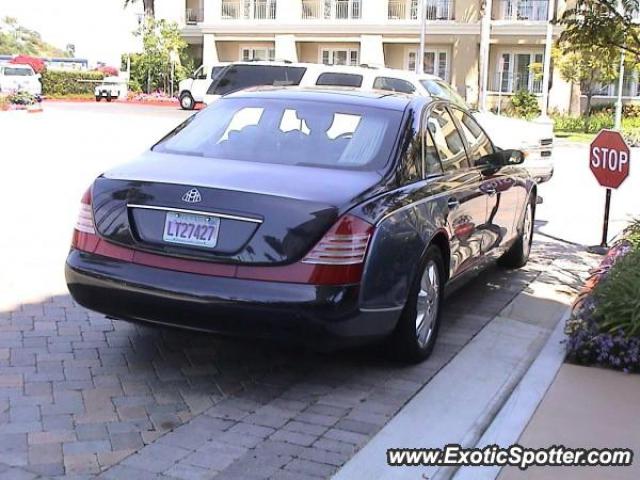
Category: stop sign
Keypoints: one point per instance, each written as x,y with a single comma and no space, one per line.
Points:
609,158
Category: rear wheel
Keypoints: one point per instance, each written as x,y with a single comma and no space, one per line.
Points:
187,102
417,329
98,98
109,98
518,255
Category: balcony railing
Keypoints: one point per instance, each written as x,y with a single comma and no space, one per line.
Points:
331,9
248,9
409,10
533,10
194,15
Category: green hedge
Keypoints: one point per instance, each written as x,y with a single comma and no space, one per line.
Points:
58,83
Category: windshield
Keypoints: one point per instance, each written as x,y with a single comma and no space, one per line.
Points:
441,89
288,132
17,72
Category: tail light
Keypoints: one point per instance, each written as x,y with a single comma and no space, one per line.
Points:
84,223
344,244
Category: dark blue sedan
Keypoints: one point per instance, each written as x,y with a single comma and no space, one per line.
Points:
331,217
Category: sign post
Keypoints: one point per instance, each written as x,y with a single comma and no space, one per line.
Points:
609,160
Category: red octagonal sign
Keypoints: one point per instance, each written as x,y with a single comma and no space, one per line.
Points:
609,158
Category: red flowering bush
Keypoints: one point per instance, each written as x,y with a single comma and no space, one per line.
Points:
108,71
36,63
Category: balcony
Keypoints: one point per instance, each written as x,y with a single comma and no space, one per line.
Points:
523,10
409,10
331,9
193,16
248,9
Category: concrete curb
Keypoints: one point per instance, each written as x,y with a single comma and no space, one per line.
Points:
515,414
467,401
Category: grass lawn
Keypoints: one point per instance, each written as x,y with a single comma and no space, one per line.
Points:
575,136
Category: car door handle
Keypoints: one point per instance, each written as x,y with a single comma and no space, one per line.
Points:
453,203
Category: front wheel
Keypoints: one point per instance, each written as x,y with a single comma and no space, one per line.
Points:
187,102
518,255
98,98
109,98
417,329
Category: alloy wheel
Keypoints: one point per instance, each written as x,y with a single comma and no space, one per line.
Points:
428,303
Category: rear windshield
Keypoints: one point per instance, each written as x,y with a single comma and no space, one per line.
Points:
441,89
239,77
17,72
289,132
339,80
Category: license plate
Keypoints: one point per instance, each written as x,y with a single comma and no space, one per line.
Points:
191,229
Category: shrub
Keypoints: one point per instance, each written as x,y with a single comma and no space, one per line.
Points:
60,83
524,104
4,103
36,63
108,71
618,297
629,110
593,124
21,98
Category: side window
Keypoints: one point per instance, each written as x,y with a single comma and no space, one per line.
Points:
447,140
200,74
239,77
339,79
479,143
431,159
393,85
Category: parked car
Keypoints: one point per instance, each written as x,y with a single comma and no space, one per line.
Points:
535,139
331,217
110,88
19,78
193,89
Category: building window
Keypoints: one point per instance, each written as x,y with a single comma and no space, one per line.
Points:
248,54
519,71
630,85
340,56
436,62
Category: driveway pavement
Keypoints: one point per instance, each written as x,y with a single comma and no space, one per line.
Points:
83,395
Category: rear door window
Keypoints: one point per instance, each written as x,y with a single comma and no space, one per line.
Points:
239,77
393,85
447,140
339,79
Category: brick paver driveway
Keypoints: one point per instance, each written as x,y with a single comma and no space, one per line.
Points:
84,395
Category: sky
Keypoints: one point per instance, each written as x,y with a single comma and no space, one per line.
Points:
100,29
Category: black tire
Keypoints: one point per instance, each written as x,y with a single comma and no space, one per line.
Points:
518,255
109,98
187,102
405,341
98,98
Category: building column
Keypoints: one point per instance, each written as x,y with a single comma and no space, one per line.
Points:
286,48
485,40
209,49
371,51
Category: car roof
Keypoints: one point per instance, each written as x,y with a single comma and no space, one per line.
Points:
345,95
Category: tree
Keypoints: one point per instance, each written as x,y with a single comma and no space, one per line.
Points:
149,6
598,23
589,68
151,69
18,40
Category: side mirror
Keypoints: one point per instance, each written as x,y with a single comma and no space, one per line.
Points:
512,157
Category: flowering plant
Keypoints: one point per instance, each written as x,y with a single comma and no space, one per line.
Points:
604,327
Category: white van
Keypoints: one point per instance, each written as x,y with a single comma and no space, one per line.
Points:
536,140
192,90
16,77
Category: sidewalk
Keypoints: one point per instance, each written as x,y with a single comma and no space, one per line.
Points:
585,407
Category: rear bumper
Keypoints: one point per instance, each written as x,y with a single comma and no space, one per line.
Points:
320,315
